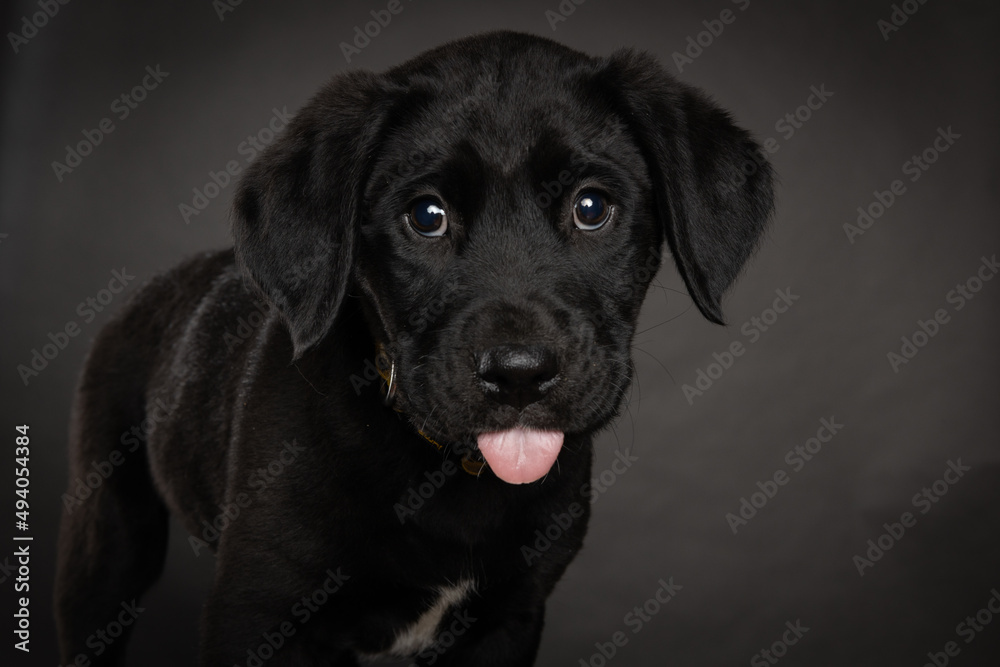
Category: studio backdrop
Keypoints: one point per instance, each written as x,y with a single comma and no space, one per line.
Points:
815,483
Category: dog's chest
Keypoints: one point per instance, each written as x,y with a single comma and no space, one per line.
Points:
421,634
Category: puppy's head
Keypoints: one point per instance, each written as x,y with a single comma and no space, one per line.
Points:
500,205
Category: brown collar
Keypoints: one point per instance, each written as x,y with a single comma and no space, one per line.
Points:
386,368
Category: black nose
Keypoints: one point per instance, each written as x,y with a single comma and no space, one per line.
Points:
517,375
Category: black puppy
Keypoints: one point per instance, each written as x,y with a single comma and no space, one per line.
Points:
478,226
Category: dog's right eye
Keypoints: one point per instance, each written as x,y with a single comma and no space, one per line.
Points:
427,217
591,211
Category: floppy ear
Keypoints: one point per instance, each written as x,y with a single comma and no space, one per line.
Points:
712,184
296,210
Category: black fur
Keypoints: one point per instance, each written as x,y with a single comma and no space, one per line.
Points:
223,387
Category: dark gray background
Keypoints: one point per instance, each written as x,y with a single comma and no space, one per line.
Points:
665,517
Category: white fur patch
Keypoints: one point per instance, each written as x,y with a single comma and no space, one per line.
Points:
421,634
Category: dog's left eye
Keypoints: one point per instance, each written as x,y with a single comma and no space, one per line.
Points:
428,217
591,211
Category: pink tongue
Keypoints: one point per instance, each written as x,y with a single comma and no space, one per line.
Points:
520,456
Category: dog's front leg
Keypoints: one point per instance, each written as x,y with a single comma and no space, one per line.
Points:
254,616
238,630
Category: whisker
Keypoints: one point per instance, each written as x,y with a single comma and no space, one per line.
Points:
690,305
654,358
